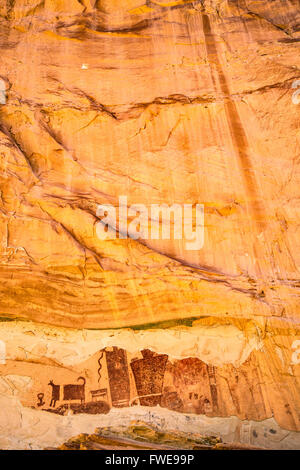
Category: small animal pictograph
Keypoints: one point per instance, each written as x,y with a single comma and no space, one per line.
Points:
75,391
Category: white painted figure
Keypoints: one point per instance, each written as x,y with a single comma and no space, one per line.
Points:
296,97
296,353
2,92
2,352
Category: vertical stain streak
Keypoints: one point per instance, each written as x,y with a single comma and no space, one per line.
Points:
237,131
240,144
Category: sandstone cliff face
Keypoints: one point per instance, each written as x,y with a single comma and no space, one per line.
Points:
162,102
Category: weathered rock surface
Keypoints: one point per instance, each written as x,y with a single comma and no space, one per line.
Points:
162,102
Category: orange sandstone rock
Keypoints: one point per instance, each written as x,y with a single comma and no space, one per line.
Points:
164,102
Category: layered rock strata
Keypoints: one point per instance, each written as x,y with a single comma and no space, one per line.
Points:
185,102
